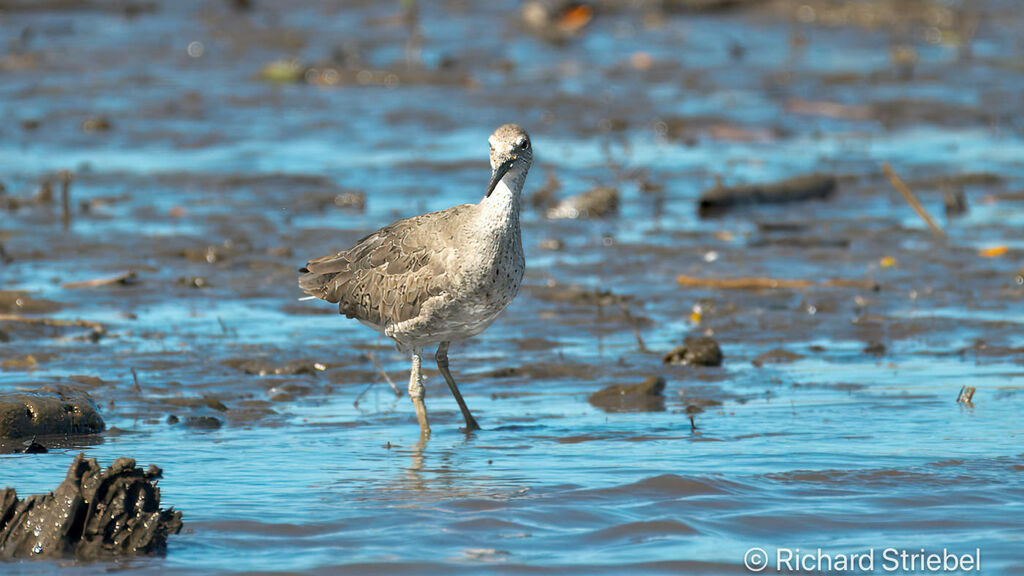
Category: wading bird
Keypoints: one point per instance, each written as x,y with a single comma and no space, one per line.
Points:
437,278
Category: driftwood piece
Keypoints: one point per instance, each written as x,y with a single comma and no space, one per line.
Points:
799,189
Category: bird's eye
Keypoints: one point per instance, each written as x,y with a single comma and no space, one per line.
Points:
525,145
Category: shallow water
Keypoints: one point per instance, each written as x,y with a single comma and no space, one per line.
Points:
209,172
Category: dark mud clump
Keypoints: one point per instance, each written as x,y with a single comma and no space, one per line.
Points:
799,189
262,367
93,513
776,356
702,351
643,397
17,302
48,411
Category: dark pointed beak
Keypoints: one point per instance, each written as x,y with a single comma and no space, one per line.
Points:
499,172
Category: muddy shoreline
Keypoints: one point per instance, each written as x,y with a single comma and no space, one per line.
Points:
156,298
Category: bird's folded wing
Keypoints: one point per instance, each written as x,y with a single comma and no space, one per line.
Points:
388,275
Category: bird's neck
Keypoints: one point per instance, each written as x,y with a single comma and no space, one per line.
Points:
502,205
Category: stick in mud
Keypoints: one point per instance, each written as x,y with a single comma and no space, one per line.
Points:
966,395
135,380
398,393
65,198
53,322
911,199
124,279
636,330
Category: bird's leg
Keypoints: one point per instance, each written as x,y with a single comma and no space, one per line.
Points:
442,365
417,393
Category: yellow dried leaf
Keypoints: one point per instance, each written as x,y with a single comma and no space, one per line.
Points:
575,18
994,252
888,262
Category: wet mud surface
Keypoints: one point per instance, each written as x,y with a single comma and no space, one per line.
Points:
226,147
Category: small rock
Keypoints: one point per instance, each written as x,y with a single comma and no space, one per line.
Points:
214,403
955,202
35,448
203,422
596,203
351,200
776,356
700,351
553,244
643,397
97,124
194,282
875,349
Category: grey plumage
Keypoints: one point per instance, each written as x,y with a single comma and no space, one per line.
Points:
438,277
387,276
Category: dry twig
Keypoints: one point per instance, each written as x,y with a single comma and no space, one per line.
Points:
126,278
911,199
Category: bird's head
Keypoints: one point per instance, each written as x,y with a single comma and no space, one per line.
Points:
511,153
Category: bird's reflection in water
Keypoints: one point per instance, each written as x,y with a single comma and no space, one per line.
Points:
445,475
414,473
449,473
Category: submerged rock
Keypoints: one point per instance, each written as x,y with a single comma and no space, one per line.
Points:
50,410
93,513
702,351
643,397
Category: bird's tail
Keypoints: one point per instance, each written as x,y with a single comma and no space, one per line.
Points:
315,284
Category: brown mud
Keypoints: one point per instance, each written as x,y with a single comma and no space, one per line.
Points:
94,513
48,411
